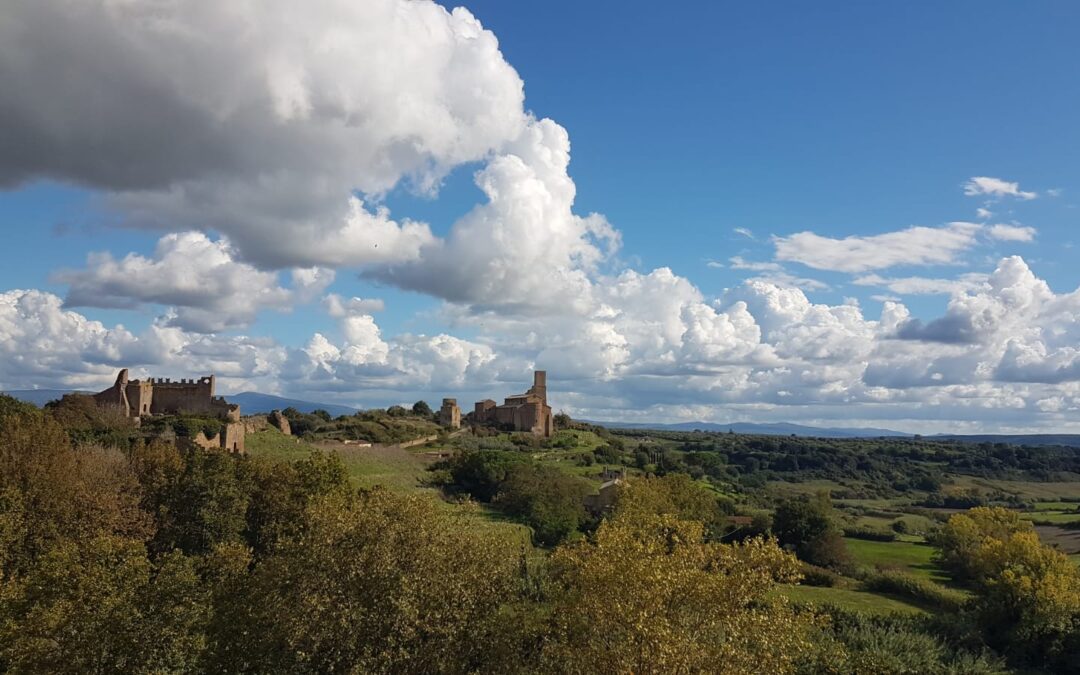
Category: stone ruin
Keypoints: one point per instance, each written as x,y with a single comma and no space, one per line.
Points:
279,422
523,412
138,398
450,414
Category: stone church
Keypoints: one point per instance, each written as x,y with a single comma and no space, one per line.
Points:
524,412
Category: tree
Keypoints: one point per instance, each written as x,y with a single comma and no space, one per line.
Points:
806,527
199,499
965,533
51,493
100,606
677,495
282,493
549,500
1027,602
649,594
481,473
385,583
422,409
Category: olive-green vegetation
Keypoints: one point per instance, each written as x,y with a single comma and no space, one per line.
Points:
393,425
120,552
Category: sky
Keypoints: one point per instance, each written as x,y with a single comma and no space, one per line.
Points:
825,213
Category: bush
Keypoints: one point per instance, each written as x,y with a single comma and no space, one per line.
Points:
819,576
921,590
869,533
855,643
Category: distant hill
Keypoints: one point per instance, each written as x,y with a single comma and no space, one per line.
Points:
776,429
39,397
786,429
1070,440
254,403
250,402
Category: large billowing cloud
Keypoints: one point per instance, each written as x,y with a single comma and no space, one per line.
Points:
524,250
44,345
257,119
651,346
200,280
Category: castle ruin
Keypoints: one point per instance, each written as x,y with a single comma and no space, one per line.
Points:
524,412
137,398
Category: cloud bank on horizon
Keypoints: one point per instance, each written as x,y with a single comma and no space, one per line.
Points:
287,124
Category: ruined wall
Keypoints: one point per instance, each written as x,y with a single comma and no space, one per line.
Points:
279,422
231,439
185,396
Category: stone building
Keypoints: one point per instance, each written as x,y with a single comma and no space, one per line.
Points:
450,414
137,398
524,412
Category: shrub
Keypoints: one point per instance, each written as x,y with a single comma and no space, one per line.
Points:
921,590
819,576
869,533
856,643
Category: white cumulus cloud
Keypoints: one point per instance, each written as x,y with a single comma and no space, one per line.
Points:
260,120
1011,232
912,246
206,288
995,187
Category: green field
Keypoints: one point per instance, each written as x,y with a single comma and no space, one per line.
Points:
1057,506
912,557
846,598
1052,516
389,466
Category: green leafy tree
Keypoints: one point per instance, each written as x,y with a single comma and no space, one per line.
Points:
806,526
482,473
677,495
550,501
199,503
282,493
422,409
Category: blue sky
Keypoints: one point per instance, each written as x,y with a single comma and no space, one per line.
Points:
753,152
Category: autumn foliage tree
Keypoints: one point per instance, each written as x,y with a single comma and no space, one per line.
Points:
648,594
1027,602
